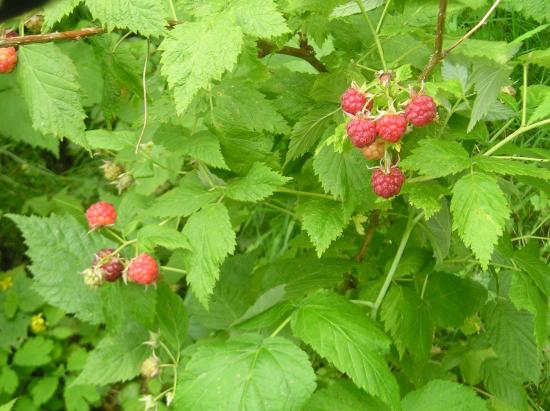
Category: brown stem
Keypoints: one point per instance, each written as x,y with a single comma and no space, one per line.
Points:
305,52
437,54
46,38
371,229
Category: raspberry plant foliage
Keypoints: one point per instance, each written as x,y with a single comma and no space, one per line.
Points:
296,205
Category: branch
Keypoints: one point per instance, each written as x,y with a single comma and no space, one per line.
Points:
438,54
46,38
305,52
371,229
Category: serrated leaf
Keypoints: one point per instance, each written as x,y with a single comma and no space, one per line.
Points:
440,395
43,389
425,196
541,111
125,303
34,352
49,82
172,317
190,65
480,211
110,140
498,52
324,222
211,238
506,386
246,373
528,260
259,183
259,18
538,57
117,357
488,79
437,158
343,396
54,11
152,235
80,397
342,333
60,249
145,17
511,334
510,167
309,129
8,380
438,229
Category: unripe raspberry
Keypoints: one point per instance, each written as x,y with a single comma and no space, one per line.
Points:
375,151
143,269
421,111
111,170
101,214
387,185
361,131
111,265
353,101
8,59
391,127
34,23
93,277
150,368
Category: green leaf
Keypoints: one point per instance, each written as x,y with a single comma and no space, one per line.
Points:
438,231
34,352
504,384
80,397
342,333
538,57
528,260
259,18
309,129
9,380
124,303
211,238
172,316
440,395
49,82
437,158
54,11
110,140
8,406
452,299
145,17
188,197
259,183
510,167
43,389
15,122
425,196
324,222
190,65
498,52
488,79
152,235
511,334
351,8
342,395
542,110
246,373
117,357
480,211
60,249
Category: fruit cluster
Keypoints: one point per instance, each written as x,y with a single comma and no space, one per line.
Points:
107,264
375,133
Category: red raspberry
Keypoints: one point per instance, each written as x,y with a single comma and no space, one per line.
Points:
143,269
387,185
111,265
421,111
8,59
375,151
361,131
353,101
100,214
391,127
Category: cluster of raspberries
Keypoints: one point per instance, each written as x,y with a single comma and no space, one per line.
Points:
107,264
371,133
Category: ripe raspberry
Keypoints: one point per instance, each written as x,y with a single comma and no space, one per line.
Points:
111,265
387,185
421,111
100,214
353,101
8,59
391,127
375,151
361,131
143,269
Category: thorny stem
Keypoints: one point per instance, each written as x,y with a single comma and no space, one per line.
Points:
389,277
374,33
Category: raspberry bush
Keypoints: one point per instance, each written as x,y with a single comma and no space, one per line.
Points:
276,205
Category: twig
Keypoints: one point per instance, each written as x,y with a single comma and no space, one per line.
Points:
305,52
371,229
438,54
49,37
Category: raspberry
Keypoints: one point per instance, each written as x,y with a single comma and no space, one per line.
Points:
391,127
421,111
100,214
111,265
93,277
375,151
387,185
361,131
353,101
150,368
8,59
143,269
34,23
111,170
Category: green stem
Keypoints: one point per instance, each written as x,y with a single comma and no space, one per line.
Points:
173,269
389,277
173,9
524,95
516,133
280,327
501,130
304,193
363,302
381,20
119,238
374,33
